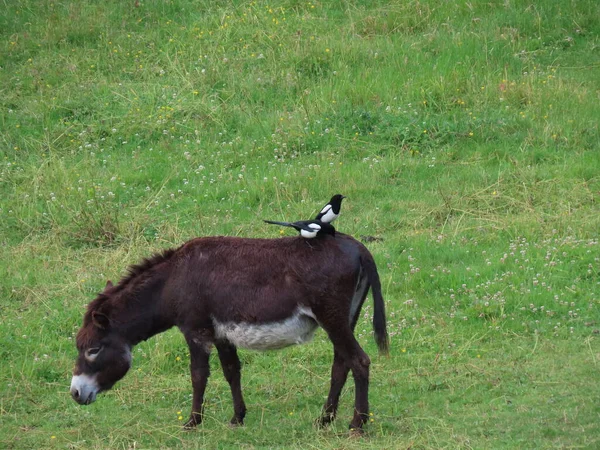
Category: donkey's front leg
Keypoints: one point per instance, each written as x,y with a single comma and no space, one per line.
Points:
200,343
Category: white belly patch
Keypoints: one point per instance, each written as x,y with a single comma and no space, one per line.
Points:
296,329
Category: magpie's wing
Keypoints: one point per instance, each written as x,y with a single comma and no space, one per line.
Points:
311,225
326,208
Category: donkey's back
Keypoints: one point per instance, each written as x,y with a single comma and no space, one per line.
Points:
263,280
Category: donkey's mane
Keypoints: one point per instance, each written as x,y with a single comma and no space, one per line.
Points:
147,263
132,272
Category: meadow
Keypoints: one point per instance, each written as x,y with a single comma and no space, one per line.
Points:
465,136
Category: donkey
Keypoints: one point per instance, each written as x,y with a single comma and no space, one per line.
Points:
230,292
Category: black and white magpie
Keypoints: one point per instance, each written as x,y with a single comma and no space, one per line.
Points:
308,228
331,210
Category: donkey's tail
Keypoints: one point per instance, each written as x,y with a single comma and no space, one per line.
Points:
379,321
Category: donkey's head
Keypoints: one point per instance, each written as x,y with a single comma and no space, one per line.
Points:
104,356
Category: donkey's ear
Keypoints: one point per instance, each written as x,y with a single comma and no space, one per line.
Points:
100,320
108,285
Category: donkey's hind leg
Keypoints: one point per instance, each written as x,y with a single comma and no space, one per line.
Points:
339,374
359,363
353,357
339,370
230,362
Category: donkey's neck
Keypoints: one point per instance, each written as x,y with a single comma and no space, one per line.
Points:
143,312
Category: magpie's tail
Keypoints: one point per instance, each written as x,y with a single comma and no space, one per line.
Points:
379,321
274,222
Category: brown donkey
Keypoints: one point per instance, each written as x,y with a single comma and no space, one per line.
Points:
258,294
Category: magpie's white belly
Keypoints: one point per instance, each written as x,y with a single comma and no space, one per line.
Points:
296,329
308,234
329,216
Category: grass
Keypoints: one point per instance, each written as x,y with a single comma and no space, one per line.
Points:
465,136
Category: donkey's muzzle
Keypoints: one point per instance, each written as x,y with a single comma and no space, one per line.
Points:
83,389
84,399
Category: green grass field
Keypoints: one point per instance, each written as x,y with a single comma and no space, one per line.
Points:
464,134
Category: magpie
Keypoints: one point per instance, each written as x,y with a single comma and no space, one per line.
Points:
308,228
331,210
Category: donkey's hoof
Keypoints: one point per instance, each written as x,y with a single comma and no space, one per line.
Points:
236,422
191,424
356,432
324,420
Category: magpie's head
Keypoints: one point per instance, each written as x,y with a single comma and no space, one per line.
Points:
336,201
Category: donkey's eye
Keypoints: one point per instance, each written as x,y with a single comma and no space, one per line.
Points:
91,353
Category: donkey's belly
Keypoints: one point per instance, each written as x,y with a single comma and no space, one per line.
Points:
296,329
